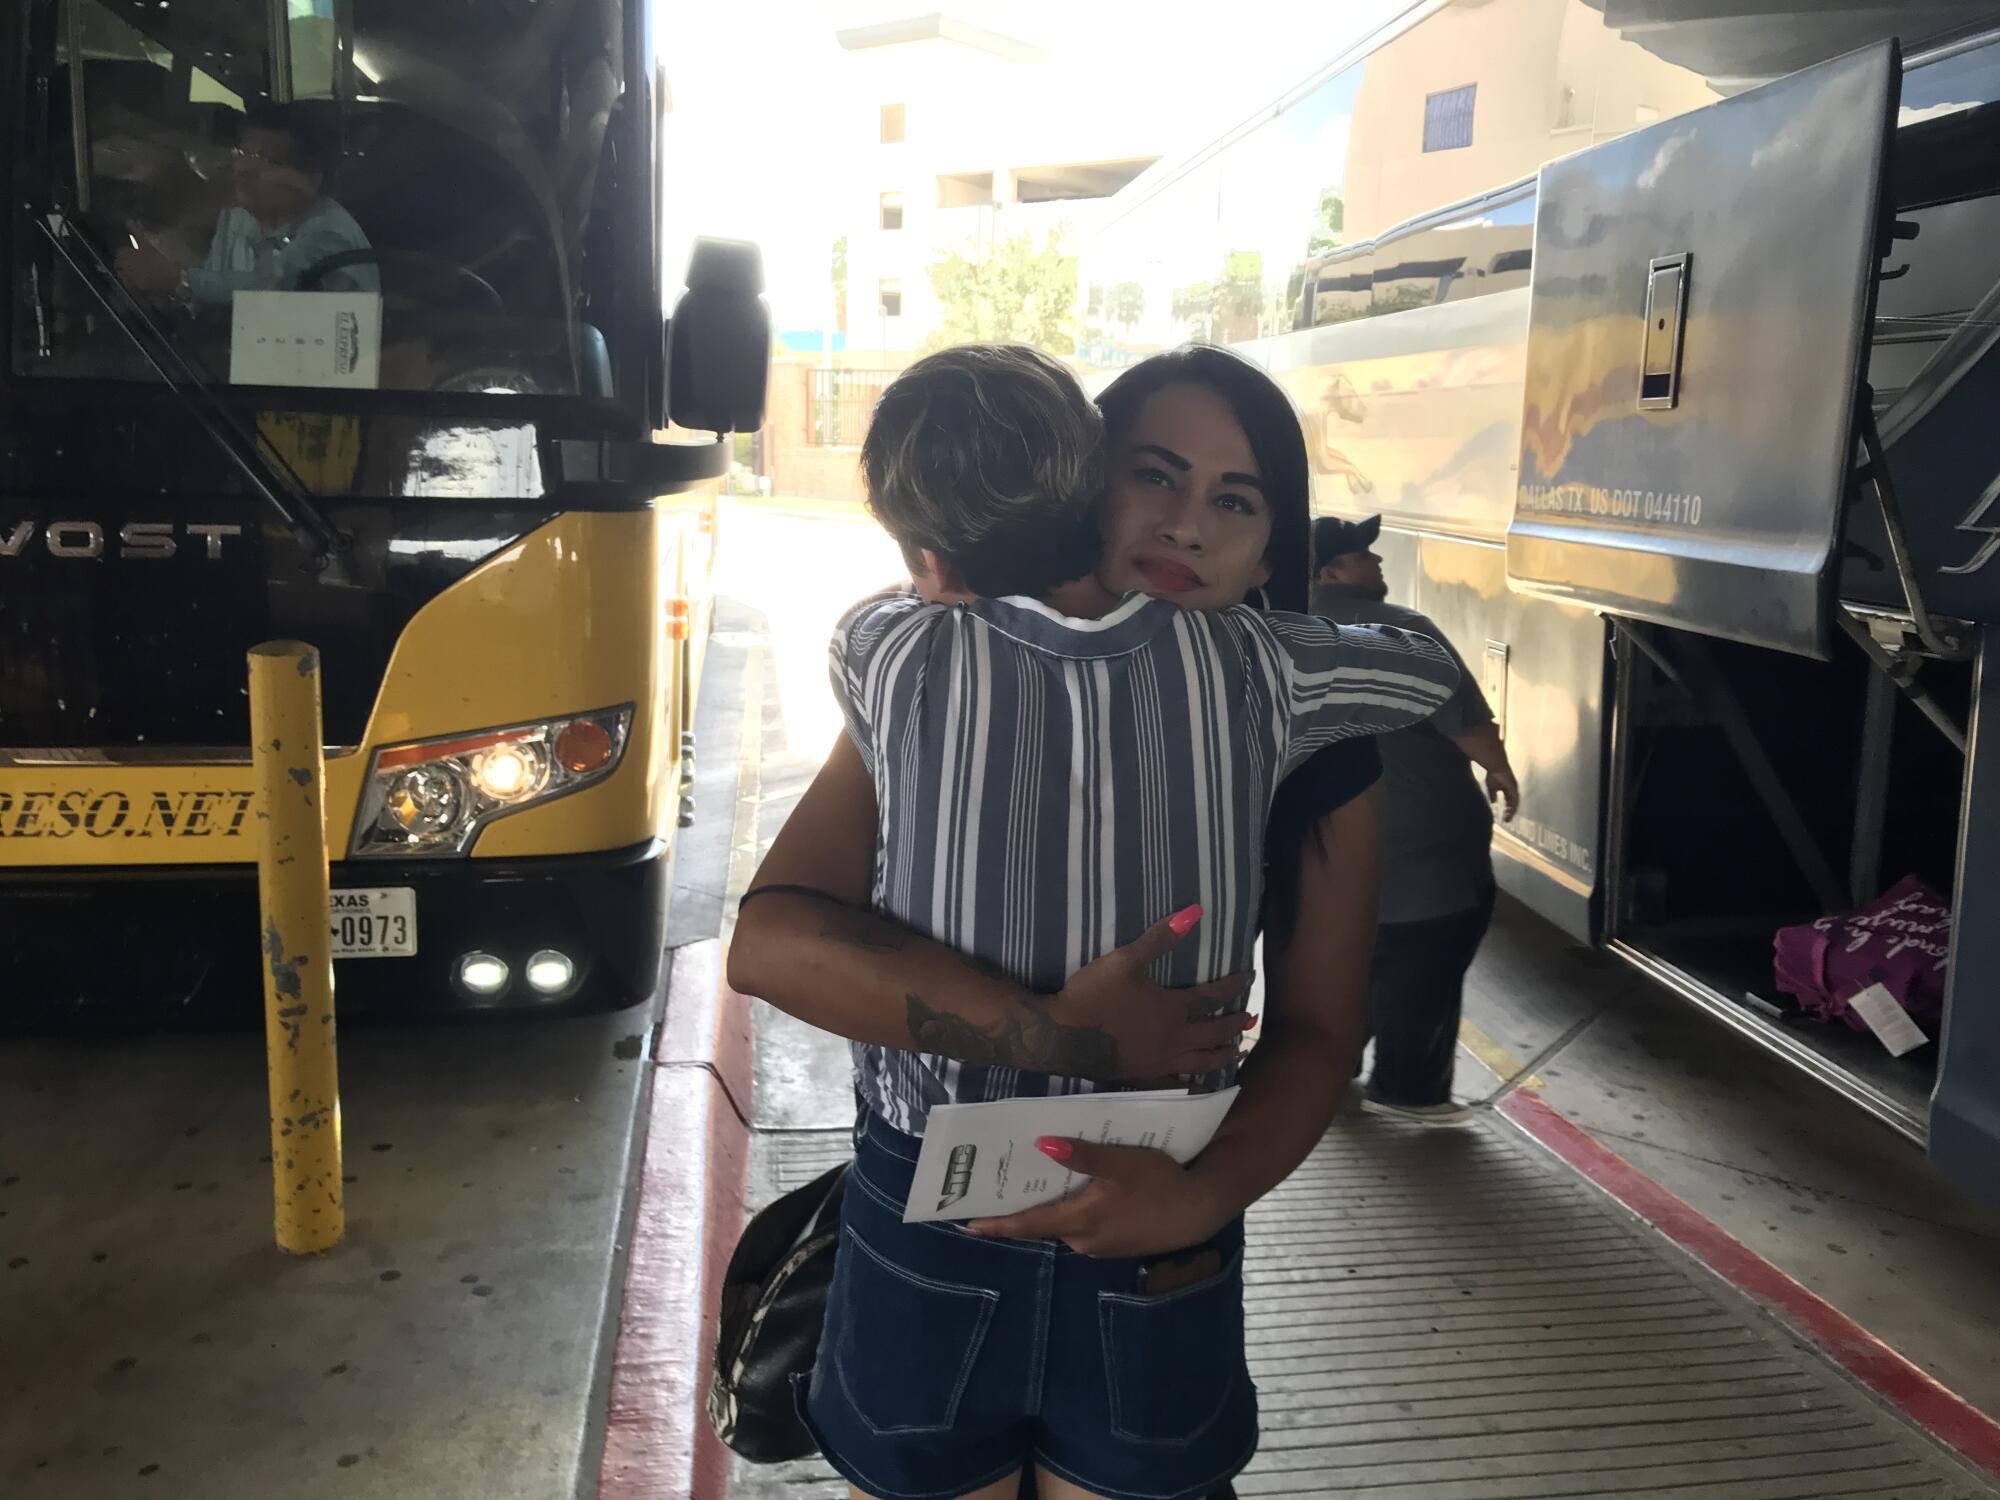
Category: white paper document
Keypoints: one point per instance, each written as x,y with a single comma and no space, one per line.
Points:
306,338
980,1160
1891,1024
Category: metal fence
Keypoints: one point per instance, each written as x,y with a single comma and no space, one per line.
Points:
842,403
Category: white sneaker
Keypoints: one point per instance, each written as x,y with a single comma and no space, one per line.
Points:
1448,1113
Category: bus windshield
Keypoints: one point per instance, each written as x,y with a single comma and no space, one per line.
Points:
349,194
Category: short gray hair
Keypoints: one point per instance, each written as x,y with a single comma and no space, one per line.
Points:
991,456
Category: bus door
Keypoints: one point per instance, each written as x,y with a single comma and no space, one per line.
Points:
1697,331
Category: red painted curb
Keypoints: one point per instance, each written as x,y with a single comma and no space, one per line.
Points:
1947,1417
658,1444
706,1022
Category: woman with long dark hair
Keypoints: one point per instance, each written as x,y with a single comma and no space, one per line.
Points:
1206,502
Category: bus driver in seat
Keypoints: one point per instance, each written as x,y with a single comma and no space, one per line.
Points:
282,225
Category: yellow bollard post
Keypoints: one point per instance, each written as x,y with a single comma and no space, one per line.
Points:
297,941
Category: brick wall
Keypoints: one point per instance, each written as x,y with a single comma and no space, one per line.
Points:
795,464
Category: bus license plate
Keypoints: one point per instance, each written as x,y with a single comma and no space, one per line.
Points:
375,924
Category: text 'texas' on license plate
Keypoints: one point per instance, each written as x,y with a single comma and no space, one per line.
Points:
378,923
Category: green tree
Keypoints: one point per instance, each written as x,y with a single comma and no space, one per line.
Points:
1326,236
1229,308
840,284
1239,295
1295,293
1011,292
1326,233
1194,307
1127,304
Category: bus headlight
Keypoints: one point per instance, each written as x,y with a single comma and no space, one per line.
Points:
433,796
550,972
425,800
483,975
509,773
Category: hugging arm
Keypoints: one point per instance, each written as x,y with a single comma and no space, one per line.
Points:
1344,680
807,942
1139,1202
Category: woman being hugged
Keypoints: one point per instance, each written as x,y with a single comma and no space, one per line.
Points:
1047,764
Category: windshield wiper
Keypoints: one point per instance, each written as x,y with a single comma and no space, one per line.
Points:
262,466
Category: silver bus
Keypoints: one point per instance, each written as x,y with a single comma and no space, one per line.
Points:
1663,339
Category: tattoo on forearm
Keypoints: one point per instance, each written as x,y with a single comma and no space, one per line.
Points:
1027,1039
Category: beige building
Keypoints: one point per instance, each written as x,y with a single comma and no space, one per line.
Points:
1531,80
969,138
956,138
1259,236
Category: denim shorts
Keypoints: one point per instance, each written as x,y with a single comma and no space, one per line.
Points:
948,1362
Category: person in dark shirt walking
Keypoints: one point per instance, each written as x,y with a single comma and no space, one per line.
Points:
1437,866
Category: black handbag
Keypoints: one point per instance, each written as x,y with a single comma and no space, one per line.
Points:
773,1303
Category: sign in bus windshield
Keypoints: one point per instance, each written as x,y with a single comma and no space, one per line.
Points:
399,197
1698,323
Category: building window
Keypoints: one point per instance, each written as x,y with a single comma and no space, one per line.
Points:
843,401
1448,119
892,124
889,297
892,211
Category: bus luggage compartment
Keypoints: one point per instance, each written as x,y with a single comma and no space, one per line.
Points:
1703,460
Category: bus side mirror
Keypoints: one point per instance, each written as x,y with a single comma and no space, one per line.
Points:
719,341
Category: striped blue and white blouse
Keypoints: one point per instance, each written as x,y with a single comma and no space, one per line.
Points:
1051,787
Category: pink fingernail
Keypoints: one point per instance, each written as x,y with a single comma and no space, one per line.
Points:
1054,1149
1249,1022
1181,921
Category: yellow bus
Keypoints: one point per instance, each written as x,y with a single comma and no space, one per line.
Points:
342,321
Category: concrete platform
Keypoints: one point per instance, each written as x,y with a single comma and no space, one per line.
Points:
1813,1185
1452,1315
154,1342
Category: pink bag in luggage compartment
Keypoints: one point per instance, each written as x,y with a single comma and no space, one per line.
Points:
1900,940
